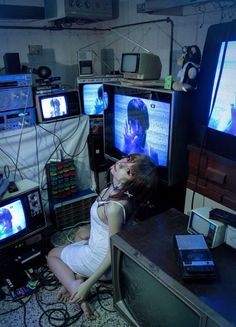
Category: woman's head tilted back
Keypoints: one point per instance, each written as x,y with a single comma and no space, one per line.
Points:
144,182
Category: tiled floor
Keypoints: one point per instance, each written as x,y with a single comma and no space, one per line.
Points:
43,309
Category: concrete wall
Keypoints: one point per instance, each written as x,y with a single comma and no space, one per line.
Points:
60,48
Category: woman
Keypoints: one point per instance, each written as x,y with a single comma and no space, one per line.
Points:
80,265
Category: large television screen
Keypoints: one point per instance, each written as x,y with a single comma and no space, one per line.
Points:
223,104
142,126
214,104
150,121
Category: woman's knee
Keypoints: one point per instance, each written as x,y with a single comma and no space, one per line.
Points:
55,252
82,233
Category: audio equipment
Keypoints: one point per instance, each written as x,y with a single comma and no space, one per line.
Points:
12,98
96,153
16,119
15,80
12,63
107,61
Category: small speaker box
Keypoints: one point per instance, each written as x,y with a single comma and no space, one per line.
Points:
96,153
12,63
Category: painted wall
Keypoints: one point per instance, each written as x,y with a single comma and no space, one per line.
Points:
60,48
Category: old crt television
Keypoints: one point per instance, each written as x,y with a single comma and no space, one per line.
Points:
163,119
92,98
144,295
21,215
216,94
200,223
141,66
57,105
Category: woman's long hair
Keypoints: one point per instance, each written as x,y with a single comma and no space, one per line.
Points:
143,188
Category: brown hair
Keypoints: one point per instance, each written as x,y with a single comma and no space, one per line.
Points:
142,188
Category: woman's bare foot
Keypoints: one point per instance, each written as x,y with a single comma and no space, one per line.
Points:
88,311
63,294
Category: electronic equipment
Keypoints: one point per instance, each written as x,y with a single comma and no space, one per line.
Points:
57,105
21,216
91,98
141,66
61,179
223,216
91,95
164,117
68,213
216,114
16,119
12,63
230,236
88,11
97,160
15,80
200,223
193,256
140,283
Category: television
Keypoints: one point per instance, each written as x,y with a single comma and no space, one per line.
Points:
149,121
92,98
216,94
57,105
148,289
141,66
21,216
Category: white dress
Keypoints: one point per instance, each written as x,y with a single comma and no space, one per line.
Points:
85,256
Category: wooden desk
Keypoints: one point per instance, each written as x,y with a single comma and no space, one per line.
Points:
152,243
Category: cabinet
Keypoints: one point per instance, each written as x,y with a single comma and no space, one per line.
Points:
212,176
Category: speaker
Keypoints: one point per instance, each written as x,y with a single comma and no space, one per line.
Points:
12,63
96,153
107,61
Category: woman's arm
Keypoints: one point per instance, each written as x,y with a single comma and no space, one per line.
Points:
115,218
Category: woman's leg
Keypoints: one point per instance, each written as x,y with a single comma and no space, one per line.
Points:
70,282
63,273
82,233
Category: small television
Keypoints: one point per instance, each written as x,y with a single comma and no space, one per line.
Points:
216,94
141,66
21,215
57,105
150,121
91,99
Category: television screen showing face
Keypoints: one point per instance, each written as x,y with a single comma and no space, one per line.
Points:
142,126
129,63
12,219
54,106
94,99
223,102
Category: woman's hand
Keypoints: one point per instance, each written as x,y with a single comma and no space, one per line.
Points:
80,294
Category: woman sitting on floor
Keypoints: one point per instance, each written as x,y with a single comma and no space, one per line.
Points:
80,265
